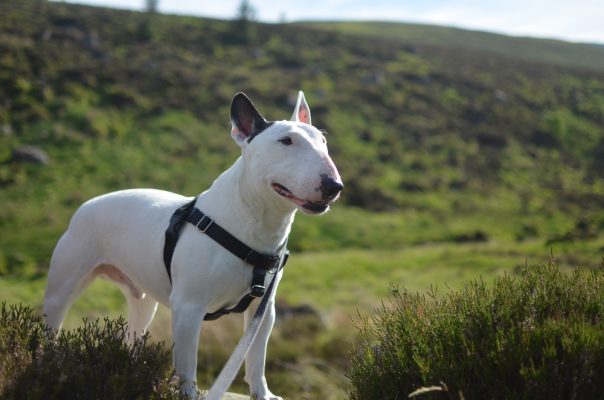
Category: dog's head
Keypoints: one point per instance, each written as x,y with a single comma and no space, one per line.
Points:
287,159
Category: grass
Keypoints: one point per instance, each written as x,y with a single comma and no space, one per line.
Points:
341,285
358,278
101,299
349,279
530,49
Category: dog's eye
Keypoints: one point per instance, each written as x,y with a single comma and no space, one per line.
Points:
286,141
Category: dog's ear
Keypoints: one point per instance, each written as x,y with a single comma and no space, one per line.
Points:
302,111
246,120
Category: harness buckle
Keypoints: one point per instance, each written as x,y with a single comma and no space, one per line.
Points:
275,263
257,291
208,223
247,257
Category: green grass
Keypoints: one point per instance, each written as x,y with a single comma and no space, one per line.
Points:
101,299
349,279
341,285
357,278
530,49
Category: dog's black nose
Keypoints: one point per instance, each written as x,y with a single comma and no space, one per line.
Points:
330,187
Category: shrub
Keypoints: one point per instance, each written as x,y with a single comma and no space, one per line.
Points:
539,335
92,362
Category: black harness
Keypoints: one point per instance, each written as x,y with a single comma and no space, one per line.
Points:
262,263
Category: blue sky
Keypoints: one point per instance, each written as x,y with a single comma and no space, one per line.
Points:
572,20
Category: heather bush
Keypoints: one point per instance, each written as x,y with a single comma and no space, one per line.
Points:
538,335
91,362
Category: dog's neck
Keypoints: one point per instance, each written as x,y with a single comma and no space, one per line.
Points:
248,210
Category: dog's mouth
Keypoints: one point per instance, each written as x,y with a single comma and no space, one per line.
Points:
312,207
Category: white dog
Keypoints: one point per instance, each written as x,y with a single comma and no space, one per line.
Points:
284,167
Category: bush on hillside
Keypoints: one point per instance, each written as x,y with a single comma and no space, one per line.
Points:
92,362
539,335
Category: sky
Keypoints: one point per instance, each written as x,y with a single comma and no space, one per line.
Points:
571,20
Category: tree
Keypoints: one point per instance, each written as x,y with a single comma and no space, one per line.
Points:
152,6
146,27
246,12
244,24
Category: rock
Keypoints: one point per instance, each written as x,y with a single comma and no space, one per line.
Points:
6,130
286,311
500,96
229,396
29,154
374,78
235,396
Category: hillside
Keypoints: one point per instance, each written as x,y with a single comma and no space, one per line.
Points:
436,133
548,51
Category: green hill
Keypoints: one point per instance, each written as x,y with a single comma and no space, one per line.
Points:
441,137
548,51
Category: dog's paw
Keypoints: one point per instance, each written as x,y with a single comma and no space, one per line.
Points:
191,392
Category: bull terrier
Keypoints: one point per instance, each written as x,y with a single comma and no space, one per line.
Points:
284,167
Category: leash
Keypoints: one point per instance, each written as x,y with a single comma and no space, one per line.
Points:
230,369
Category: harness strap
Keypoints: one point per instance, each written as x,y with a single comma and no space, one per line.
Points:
205,224
257,290
177,220
262,263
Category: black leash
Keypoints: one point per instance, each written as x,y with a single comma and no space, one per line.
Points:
262,263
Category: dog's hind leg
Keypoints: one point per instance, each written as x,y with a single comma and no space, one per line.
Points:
140,314
71,271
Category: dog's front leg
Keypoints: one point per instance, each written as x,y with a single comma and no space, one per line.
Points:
256,358
186,326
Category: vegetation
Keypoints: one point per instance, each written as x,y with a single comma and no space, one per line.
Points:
539,335
92,362
409,134
543,51
433,135
463,153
